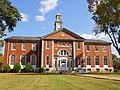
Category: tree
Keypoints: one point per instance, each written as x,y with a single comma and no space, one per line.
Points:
16,67
28,67
6,68
116,62
106,14
1,58
9,16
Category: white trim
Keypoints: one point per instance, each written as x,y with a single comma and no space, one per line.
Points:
42,53
8,52
74,53
12,46
83,50
53,65
23,66
22,47
61,50
35,46
34,66
47,44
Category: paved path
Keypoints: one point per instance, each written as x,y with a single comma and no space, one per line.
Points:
101,76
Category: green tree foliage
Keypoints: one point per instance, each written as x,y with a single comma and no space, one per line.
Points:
41,69
6,68
1,58
116,62
106,14
9,16
16,67
28,67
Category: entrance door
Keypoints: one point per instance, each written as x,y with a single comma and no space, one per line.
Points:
63,64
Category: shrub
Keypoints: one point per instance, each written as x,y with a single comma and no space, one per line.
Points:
16,67
28,67
6,68
41,69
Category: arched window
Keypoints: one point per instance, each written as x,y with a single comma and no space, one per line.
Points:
33,60
12,59
63,53
88,60
105,60
23,60
97,60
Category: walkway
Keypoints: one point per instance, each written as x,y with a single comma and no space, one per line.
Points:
109,77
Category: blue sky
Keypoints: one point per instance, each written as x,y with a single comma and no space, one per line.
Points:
39,17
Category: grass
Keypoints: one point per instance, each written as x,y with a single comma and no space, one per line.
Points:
54,82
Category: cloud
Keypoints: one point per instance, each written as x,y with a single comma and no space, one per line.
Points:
24,17
40,18
43,27
92,36
48,5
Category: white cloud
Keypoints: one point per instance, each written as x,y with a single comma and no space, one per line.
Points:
24,17
92,36
40,18
43,27
47,5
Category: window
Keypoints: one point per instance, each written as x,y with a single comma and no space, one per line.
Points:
23,46
88,60
105,60
96,48
59,43
63,53
78,59
97,60
104,48
12,60
47,60
13,46
67,43
78,45
33,59
63,43
34,47
47,44
88,48
23,60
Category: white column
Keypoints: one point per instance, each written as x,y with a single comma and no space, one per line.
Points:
42,53
53,61
73,54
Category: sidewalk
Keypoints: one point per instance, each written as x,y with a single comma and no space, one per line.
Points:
100,76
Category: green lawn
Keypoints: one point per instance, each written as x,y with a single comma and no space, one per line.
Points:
54,82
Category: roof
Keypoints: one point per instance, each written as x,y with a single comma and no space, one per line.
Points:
93,41
64,30
22,38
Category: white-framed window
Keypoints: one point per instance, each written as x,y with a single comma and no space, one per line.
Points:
63,43
34,46
59,43
97,60
63,53
47,44
105,60
104,48
23,46
88,60
88,48
33,60
47,60
67,43
96,48
23,60
78,45
13,47
12,59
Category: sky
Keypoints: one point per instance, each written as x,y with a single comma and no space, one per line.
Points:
39,17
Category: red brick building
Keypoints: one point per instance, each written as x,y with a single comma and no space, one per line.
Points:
59,50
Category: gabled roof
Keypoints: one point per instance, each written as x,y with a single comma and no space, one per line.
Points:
22,38
66,31
93,41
